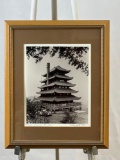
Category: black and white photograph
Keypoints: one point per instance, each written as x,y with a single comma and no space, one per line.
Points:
57,84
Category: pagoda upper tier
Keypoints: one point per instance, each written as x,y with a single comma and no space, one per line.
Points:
59,69
57,83
57,76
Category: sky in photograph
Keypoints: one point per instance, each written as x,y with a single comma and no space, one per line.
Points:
34,71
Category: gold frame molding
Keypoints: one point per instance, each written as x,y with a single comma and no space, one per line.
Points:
10,26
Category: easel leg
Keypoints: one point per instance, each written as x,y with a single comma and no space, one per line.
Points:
54,9
33,10
57,154
22,154
90,154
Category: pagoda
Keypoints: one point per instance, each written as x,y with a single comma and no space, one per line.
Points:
56,88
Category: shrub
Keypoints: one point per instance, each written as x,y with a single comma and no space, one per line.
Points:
69,118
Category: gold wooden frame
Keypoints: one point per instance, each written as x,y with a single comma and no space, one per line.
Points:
10,26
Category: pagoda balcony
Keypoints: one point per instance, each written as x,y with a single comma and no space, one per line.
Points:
58,99
58,83
57,90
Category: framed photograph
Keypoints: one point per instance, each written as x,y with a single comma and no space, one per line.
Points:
57,84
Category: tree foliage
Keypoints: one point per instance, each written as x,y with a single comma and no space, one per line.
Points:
74,55
33,112
31,108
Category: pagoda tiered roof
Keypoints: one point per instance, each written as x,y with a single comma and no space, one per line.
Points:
62,77
57,68
58,90
58,99
55,87
58,83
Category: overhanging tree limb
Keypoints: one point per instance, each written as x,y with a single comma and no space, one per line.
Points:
74,55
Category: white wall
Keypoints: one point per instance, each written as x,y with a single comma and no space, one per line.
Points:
88,10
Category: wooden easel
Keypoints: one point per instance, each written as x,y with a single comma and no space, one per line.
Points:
20,151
